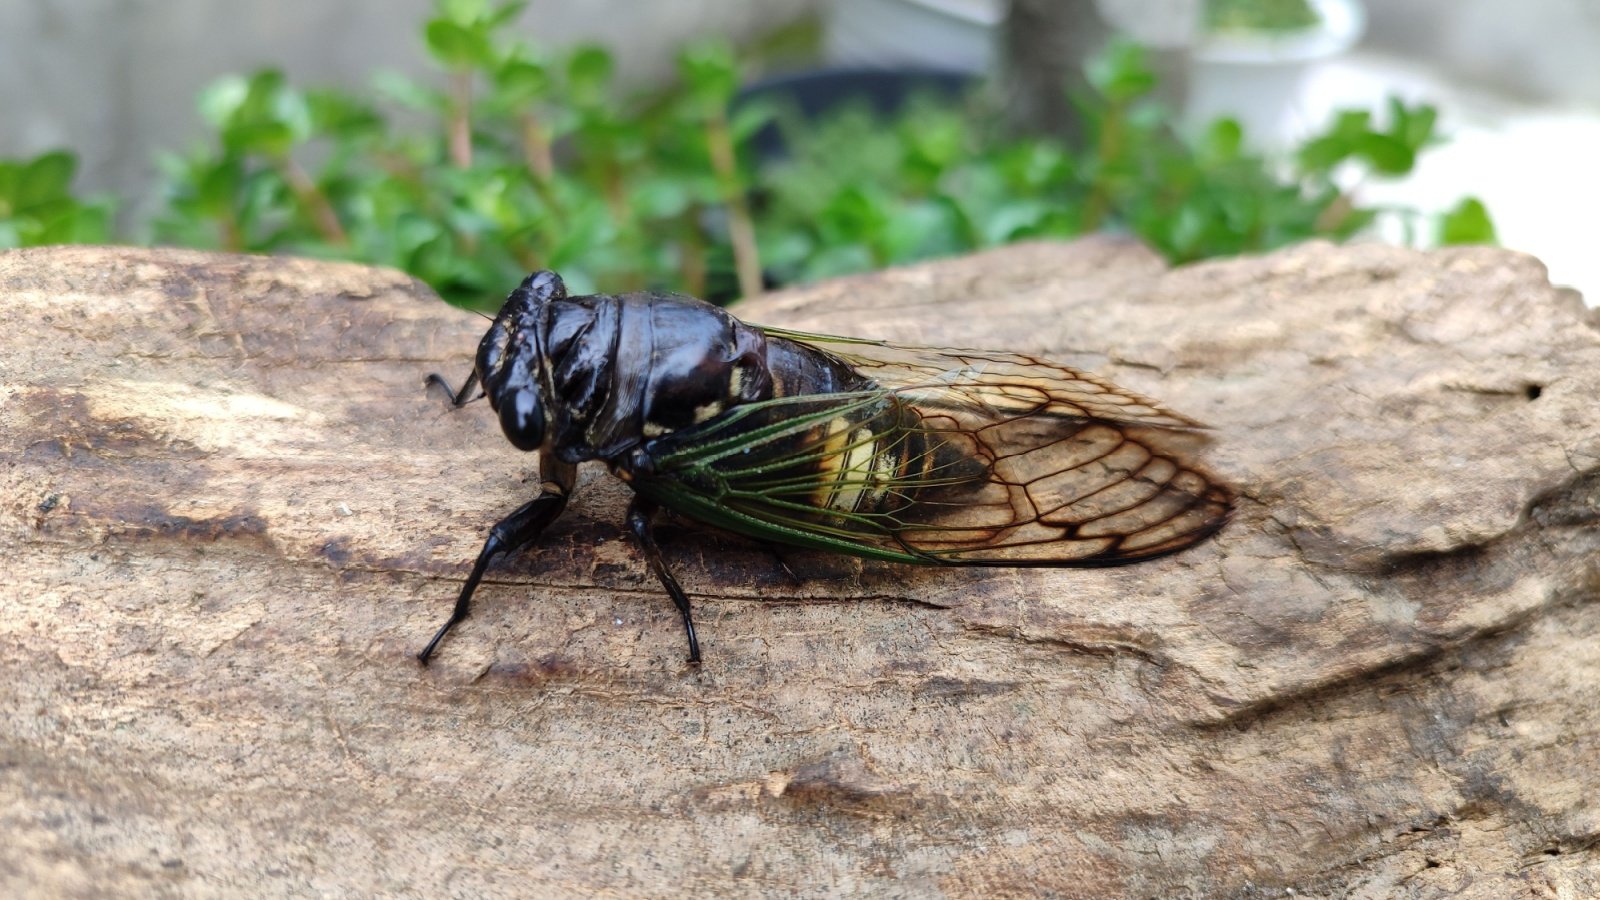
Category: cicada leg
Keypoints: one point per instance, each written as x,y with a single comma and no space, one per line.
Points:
512,533
641,513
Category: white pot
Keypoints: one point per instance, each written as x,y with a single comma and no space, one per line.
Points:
1258,78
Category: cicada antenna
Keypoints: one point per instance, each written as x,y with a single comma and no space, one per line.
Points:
457,399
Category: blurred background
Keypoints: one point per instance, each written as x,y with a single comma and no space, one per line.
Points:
1382,116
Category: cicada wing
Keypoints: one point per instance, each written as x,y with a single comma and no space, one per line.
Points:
1009,384
1061,490
942,472
818,470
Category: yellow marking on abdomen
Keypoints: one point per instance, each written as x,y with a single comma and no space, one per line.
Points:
852,469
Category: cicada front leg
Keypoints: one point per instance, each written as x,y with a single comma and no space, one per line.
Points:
513,532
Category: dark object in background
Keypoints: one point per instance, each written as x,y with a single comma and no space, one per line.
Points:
891,452
803,97
816,93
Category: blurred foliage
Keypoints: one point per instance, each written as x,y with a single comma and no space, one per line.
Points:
37,205
1467,223
1259,15
521,160
861,194
524,161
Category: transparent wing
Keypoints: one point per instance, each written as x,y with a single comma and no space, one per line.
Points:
955,457
1007,382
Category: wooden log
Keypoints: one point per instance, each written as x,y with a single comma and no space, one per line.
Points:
230,514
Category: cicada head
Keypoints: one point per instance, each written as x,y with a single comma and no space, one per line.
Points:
509,359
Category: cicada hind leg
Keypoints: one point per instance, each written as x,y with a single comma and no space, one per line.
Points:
641,524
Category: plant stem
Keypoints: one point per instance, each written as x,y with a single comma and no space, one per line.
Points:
232,239
630,238
536,149
616,194
1119,161
541,164
1342,206
1109,147
461,118
692,263
526,258
741,230
315,202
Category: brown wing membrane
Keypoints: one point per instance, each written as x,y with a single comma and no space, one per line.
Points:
1060,490
956,457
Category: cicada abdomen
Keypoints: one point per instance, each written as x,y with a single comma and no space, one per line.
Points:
917,475
846,464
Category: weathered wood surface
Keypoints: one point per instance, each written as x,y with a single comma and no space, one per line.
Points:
229,515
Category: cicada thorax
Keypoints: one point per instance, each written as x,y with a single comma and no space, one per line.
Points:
618,371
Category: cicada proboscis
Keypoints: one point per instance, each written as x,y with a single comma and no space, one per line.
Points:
893,452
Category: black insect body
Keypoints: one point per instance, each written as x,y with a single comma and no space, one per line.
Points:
909,454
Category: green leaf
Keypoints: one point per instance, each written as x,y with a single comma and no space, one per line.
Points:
589,74
1352,223
750,118
1222,141
1412,126
461,12
1351,124
710,75
661,198
784,250
268,117
1121,73
1270,16
454,45
10,183
218,185
838,259
46,178
1387,155
222,98
1467,223
505,13
1017,218
627,186
341,115
1323,153
522,80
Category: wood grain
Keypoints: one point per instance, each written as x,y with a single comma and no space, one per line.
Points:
229,514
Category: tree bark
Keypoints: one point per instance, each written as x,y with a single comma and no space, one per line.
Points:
230,515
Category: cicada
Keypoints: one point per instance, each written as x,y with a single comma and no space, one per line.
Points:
881,450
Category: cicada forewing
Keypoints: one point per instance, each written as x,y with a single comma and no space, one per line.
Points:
952,457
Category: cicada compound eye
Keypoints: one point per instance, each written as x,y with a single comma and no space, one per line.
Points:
522,417
514,393
508,359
